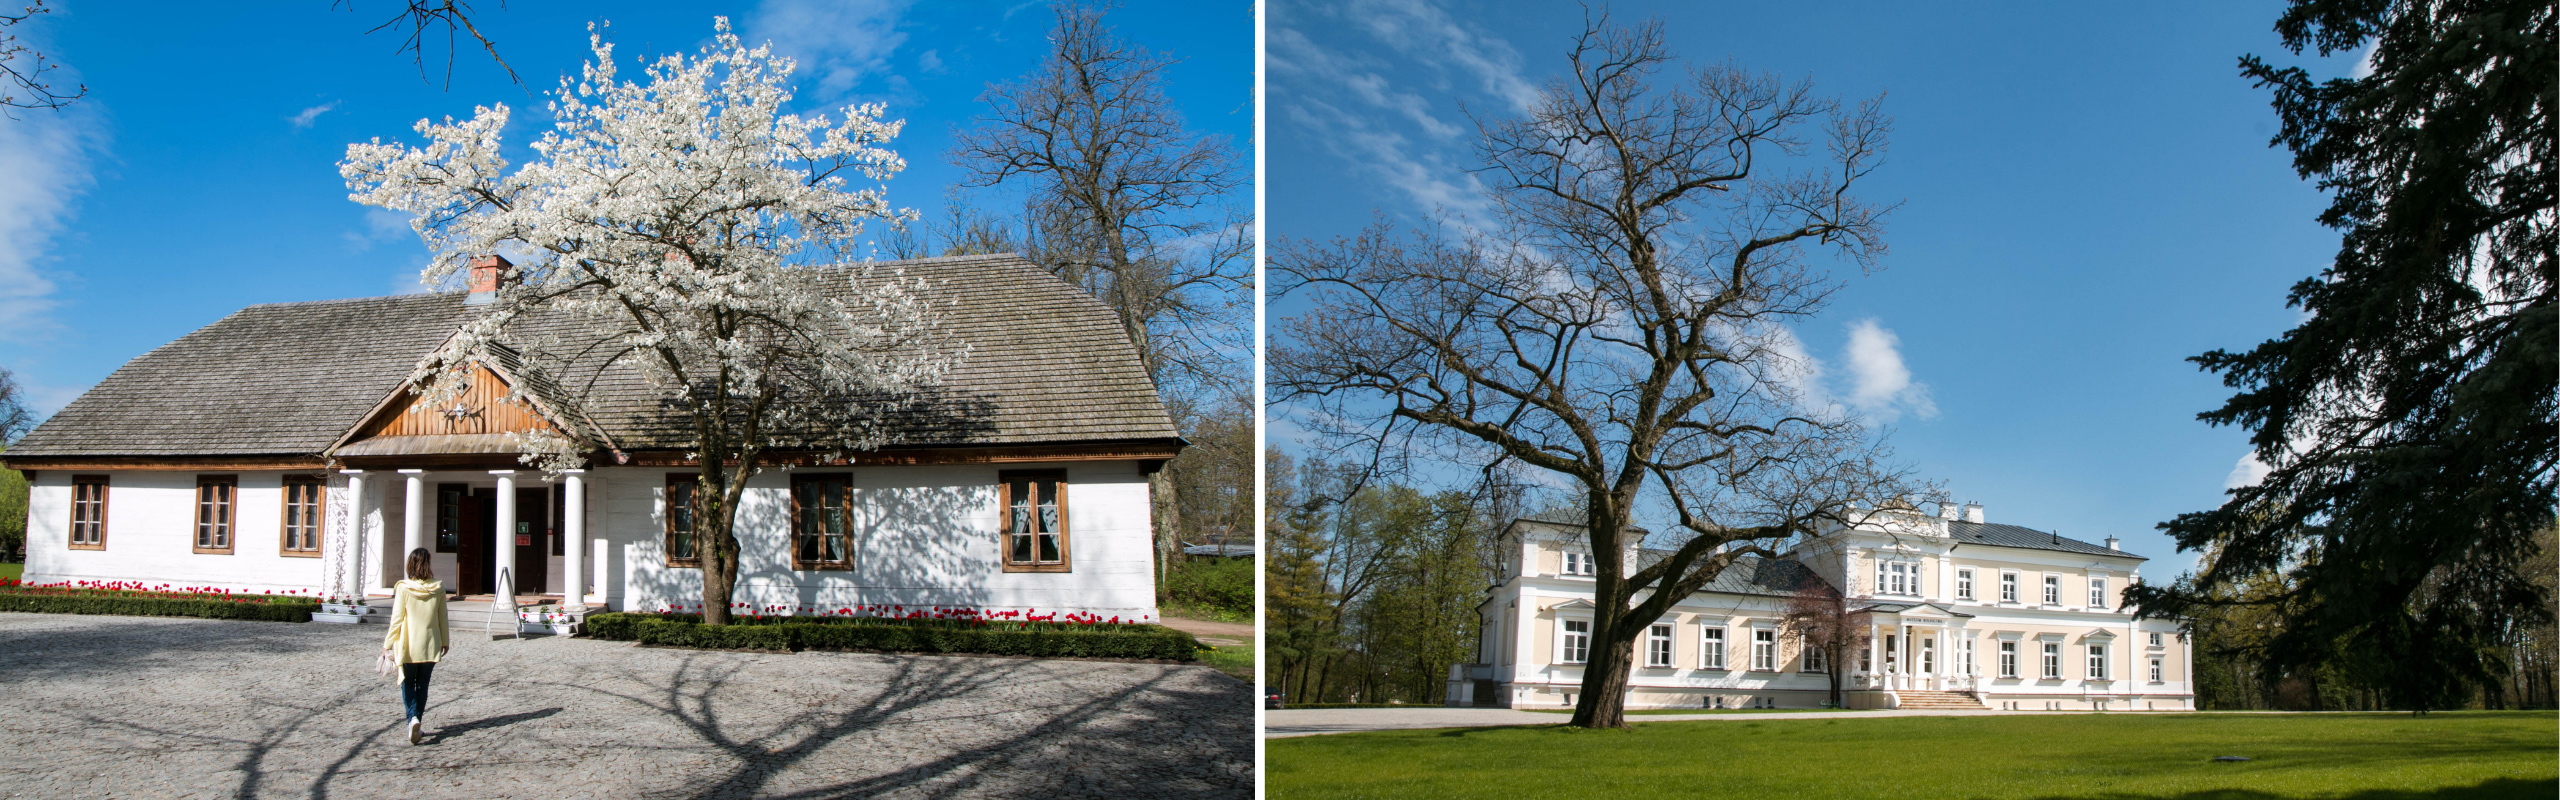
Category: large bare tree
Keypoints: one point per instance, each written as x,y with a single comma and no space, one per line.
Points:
1126,202
1618,322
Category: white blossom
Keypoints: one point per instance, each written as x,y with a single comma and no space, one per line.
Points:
679,218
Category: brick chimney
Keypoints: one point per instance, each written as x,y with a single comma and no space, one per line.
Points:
486,272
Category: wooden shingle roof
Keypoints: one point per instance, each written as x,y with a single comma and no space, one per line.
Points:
1047,364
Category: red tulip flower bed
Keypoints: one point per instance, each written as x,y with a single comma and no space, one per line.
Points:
902,629
135,598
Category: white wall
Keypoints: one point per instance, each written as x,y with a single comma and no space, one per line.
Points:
151,535
925,536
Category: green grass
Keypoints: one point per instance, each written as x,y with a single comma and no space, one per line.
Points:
1233,659
10,572
1205,613
1660,711
2441,756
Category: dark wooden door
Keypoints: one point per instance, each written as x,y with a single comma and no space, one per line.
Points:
533,552
472,556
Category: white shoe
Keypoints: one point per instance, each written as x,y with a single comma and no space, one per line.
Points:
417,730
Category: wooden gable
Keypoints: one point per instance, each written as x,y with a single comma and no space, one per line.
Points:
482,408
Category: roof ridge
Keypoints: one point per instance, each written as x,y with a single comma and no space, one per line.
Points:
336,300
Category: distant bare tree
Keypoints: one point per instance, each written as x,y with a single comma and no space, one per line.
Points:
1128,204
1618,327
15,418
1820,617
22,68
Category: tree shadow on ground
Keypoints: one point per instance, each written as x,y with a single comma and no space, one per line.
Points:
108,645
1108,760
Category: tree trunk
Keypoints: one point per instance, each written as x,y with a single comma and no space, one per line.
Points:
1604,685
1168,524
716,539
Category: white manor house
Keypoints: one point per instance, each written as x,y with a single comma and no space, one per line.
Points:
280,449
1961,613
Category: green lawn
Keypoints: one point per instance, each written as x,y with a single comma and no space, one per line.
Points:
1234,659
11,572
2114,756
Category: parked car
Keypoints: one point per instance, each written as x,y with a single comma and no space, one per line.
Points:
1271,699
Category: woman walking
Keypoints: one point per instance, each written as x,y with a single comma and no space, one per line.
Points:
417,637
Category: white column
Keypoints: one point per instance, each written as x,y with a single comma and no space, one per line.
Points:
573,524
503,578
354,577
604,574
413,517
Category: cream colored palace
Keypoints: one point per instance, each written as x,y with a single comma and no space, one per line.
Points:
1962,613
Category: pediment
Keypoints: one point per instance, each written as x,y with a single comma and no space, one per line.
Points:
482,419
1576,604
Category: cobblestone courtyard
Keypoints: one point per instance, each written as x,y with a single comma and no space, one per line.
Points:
148,707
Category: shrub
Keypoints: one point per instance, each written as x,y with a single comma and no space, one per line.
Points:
1224,584
723,637
1039,639
290,609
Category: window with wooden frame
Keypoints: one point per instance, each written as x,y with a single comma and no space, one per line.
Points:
1035,520
449,500
680,519
88,512
303,495
821,521
217,507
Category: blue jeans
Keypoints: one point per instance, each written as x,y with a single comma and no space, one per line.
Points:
413,687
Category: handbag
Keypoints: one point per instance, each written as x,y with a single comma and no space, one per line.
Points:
386,665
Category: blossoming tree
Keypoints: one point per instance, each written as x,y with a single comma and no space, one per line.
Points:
677,228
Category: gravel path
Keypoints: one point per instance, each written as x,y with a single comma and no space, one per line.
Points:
147,707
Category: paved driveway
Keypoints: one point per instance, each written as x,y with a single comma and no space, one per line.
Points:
148,707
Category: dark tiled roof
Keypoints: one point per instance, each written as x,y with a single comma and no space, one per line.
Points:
1047,364
276,379
2028,538
1751,575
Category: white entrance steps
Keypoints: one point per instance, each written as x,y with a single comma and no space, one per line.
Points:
1916,699
472,614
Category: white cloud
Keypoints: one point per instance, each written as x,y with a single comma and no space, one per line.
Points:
380,225
2364,63
1880,386
44,168
1365,137
930,61
1428,34
838,44
2248,472
302,121
411,281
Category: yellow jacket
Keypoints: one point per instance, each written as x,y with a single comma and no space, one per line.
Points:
417,622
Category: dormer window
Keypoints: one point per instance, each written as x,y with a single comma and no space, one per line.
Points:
1577,563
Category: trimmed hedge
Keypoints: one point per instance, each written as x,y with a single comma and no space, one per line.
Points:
1049,640
276,610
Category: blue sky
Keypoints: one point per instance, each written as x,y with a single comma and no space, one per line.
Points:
2088,199
199,176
